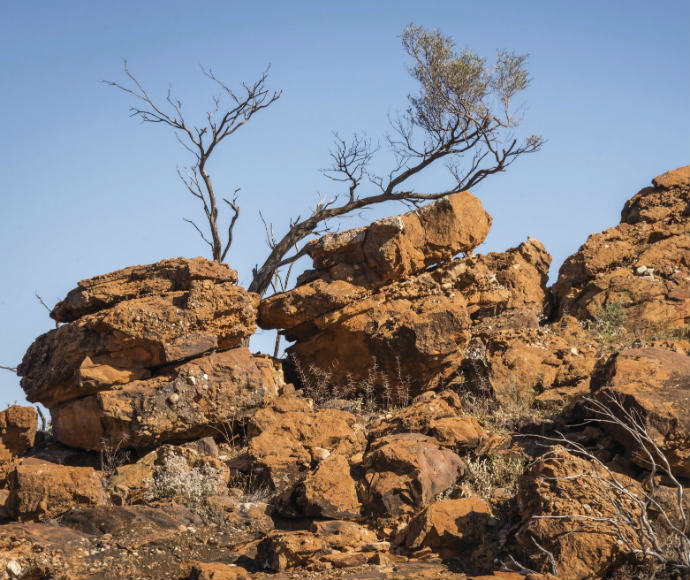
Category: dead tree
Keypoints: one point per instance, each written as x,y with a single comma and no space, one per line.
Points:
201,142
463,116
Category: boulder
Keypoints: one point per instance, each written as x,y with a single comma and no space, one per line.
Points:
450,527
41,490
652,385
395,247
569,509
17,432
552,363
187,401
437,415
404,472
285,438
640,267
102,292
329,491
197,570
345,536
281,550
129,338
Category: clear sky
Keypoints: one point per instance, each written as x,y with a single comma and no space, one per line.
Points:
86,190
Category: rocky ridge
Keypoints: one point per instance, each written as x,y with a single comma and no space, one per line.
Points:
441,419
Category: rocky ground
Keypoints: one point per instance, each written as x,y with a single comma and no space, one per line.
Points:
440,414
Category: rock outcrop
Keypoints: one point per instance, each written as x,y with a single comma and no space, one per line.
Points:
137,363
417,440
640,266
371,315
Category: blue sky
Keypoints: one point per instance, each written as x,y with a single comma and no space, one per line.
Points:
86,190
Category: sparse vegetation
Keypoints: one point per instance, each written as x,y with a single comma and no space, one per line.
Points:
484,475
175,479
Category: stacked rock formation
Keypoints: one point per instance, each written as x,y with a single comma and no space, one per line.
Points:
148,354
388,302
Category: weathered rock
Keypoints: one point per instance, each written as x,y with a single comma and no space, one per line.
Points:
17,432
640,266
345,536
437,415
405,472
651,384
196,570
40,490
327,492
392,248
405,335
551,362
114,346
280,551
450,527
564,502
183,402
284,439
175,275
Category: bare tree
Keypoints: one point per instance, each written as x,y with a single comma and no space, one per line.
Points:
201,141
463,116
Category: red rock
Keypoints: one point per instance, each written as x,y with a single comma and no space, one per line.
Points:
395,247
188,401
640,266
329,491
280,551
197,570
281,440
105,291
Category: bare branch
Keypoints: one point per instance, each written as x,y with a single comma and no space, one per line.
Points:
11,369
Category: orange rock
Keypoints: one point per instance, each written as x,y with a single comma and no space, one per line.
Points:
105,291
329,491
641,265
197,570
281,439
405,472
652,384
566,487
17,432
345,536
122,343
188,401
41,490
280,551
395,247
450,527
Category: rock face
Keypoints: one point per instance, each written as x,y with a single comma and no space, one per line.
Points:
641,266
136,361
651,384
371,316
